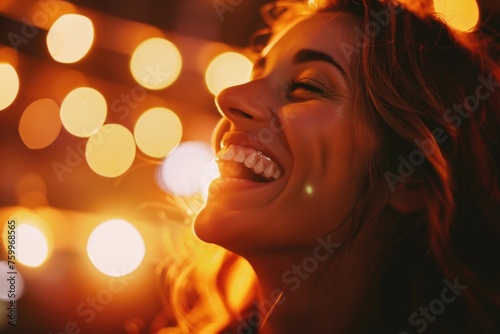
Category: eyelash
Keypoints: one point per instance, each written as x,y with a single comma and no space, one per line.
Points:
304,84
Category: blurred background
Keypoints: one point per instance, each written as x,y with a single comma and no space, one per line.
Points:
106,114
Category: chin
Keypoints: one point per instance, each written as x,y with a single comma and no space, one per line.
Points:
234,230
213,226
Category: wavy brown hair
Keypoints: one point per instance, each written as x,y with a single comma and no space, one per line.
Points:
433,96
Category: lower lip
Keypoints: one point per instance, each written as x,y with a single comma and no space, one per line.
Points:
237,184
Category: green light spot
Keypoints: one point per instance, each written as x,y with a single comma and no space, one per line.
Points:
309,189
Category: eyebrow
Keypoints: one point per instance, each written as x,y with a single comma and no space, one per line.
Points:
308,55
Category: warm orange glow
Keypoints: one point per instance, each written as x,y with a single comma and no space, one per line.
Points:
116,248
461,15
111,150
31,190
9,85
34,241
226,70
210,173
40,124
70,38
33,246
156,63
241,281
157,132
9,55
83,111
181,172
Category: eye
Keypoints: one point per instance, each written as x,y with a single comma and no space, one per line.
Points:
305,84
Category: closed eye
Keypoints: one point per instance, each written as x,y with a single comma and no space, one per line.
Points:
305,84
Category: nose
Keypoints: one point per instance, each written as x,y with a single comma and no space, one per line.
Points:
246,103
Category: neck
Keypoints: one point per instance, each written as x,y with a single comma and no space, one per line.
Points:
324,288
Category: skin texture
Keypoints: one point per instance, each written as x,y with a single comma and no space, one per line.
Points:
323,146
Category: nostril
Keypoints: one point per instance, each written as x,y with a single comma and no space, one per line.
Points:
238,112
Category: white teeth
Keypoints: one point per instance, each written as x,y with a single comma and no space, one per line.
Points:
240,156
252,159
268,171
259,167
228,154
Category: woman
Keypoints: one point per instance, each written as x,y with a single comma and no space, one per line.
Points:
358,178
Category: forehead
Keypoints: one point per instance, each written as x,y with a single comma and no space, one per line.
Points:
329,32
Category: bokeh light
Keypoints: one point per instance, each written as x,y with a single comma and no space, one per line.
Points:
157,132
116,248
40,124
226,70
83,111
9,85
111,150
210,173
181,172
70,38
461,15
33,237
33,246
155,63
5,284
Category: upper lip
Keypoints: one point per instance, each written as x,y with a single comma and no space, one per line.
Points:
245,140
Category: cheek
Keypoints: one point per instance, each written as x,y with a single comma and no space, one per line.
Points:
325,175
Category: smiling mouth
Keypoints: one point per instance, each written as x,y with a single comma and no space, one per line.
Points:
246,163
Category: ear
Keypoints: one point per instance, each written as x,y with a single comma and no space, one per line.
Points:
407,197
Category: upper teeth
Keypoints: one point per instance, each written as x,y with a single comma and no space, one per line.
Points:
252,159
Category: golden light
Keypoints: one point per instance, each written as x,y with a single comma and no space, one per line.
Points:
111,150
83,111
33,237
313,3
40,124
242,280
210,173
33,246
156,63
226,70
70,38
461,15
9,85
157,132
116,248
181,172
5,283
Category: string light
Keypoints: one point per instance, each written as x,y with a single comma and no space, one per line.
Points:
116,248
70,38
461,15
111,150
181,172
157,132
40,124
226,70
83,111
9,85
156,63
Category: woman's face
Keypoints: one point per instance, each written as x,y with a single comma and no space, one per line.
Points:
292,152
